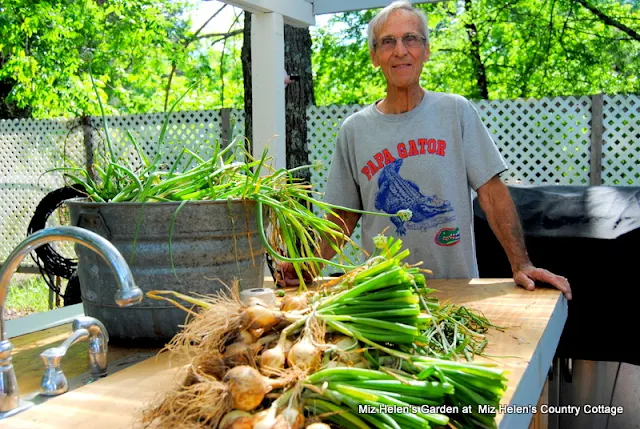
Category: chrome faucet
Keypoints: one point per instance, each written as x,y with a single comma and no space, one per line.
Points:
54,382
127,294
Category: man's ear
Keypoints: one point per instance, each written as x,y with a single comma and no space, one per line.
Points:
427,53
374,58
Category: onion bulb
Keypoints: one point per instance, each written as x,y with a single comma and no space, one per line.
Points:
266,419
260,317
240,353
286,345
238,348
318,426
303,354
293,418
347,349
246,337
345,343
256,333
247,387
294,302
229,419
242,423
272,361
281,423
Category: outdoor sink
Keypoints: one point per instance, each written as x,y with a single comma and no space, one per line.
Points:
127,294
29,367
36,398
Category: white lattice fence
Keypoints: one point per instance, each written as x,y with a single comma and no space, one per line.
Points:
621,140
544,141
237,122
197,131
28,149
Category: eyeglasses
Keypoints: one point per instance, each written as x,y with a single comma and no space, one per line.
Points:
409,40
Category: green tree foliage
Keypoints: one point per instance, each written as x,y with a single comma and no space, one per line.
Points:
141,50
48,49
527,48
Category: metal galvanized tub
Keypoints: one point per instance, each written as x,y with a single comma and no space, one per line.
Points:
212,242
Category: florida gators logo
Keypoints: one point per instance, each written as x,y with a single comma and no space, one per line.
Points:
448,237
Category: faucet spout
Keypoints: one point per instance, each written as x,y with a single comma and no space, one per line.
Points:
128,293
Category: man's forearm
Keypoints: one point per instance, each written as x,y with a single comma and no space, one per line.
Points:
496,202
347,221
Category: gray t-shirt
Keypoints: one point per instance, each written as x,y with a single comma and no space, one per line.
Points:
427,160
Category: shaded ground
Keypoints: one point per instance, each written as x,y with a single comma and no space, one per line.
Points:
27,294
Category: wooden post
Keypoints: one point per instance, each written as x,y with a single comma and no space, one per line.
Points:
269,126
595,175
225,127
87,133
541,420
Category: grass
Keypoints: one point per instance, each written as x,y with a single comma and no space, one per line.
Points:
27,294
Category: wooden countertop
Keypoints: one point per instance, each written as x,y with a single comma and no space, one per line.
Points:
535,321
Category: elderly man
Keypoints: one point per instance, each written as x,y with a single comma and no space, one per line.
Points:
426,152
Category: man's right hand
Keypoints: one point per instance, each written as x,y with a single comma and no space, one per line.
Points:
287,275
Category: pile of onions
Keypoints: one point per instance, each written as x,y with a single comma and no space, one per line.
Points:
321,354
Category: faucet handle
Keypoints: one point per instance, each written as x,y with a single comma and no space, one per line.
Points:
54,382
98,343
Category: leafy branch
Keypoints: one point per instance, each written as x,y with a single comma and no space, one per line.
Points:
609,20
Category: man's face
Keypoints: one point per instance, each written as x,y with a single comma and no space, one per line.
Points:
401,65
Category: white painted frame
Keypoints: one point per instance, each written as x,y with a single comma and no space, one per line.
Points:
267,57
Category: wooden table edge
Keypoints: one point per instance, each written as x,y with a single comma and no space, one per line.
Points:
532,382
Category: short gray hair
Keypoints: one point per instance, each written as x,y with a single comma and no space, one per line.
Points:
381,18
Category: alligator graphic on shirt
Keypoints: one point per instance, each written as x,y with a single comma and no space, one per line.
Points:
396,193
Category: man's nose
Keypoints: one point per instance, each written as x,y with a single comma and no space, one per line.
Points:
400,50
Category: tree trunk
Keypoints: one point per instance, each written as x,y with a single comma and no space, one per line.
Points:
481,73
298,95
245,56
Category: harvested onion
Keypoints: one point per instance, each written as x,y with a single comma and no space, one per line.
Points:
247,387
260,317
293,418
286,345
266,419
272,361
246,337
303,354
256,333
294,302
239,348
318,426
242,423
231,417
240,353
